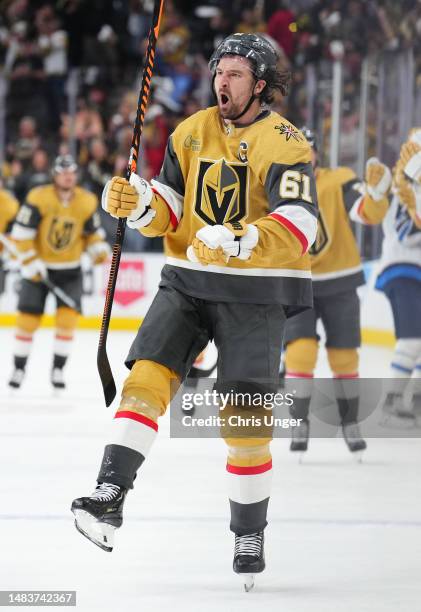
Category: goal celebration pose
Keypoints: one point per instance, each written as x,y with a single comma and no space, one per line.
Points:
236,203
337,272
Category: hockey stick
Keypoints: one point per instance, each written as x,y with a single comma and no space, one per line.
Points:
59,293
103,364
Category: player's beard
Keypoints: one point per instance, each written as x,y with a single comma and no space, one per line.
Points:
227,108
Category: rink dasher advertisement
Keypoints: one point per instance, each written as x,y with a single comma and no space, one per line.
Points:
137,283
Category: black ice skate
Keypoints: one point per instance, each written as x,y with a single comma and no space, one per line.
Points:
249,557
299,436
353,438
98,516
17,377
57,378
394,413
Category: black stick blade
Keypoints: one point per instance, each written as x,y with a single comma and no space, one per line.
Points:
106,376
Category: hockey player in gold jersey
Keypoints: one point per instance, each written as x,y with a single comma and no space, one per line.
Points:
9,207
236,203
337,272
55,225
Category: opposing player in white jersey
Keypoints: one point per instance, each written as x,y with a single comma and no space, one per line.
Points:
399,277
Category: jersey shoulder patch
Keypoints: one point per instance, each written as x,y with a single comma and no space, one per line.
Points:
287,143
187,133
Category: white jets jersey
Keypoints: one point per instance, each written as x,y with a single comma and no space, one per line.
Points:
401,251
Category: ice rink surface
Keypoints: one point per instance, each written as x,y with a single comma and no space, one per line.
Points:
343,537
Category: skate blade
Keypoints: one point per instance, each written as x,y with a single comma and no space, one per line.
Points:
358,455
248,581
13,391
101,534
58,392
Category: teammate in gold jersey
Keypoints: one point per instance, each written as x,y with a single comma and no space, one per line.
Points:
236,203
55,225
337,272
9,207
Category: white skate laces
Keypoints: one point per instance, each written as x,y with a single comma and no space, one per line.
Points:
248,544
105,492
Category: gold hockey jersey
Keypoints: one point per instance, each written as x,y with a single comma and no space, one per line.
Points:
260,173
335,258
57,232
9,207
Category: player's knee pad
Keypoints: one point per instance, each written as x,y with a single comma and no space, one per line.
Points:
149,388
343,361
301,356
246,452
246,426
27,322
66,320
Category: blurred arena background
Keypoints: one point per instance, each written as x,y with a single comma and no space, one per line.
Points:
70,71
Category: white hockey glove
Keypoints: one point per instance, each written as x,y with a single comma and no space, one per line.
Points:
129,200
34,270
206,246
99,252
378,179
215,244
244,238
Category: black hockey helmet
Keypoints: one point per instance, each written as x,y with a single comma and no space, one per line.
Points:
64,163
254,47
310,136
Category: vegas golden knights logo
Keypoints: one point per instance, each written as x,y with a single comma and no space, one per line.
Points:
60,234
322,238
221,192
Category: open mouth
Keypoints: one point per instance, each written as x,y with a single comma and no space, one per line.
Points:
224,98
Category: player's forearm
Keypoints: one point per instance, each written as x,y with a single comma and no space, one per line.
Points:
277,244
26,249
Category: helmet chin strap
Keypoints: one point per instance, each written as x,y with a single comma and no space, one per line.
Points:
247,106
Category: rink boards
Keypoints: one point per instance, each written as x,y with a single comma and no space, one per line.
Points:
137,283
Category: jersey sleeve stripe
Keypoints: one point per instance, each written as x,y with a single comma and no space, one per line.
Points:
20,232
356,212
299,222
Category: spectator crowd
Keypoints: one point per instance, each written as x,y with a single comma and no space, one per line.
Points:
71,70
